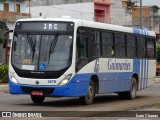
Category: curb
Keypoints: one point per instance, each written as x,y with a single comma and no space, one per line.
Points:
3,86
4,89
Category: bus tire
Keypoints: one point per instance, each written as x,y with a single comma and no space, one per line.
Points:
37,99
122,95
88,99
132,93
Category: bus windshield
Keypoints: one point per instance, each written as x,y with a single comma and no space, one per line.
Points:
39,52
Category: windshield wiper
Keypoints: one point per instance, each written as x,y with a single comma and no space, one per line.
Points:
32,45
53,45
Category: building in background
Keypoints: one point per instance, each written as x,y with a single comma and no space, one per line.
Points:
102,11
106,11
34,3
10,11
150,17
77,11
112,11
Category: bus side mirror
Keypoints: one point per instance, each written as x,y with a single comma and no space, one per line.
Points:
5,38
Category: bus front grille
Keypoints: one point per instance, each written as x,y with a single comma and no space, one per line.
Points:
30,89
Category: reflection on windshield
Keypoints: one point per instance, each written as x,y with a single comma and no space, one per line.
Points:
32,52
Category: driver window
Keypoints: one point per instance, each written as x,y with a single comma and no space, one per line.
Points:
82,50
81,47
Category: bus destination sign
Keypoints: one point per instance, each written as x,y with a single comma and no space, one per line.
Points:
44,26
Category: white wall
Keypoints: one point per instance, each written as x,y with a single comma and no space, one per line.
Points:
1,6
12,6
118,15
55,2
78,11
83,11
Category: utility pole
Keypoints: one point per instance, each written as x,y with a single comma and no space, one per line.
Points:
141,16
14,5
29,6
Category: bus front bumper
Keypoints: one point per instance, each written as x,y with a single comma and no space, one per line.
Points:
69,90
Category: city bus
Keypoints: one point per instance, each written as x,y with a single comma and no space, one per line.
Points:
65,57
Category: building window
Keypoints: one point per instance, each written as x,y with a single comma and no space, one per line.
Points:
6,6
18,8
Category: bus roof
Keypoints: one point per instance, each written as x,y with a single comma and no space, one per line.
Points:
97,25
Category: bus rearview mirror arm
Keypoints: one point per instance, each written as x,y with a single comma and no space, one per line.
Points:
5,39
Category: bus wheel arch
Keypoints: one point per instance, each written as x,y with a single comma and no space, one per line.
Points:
95,80
92,90
132,93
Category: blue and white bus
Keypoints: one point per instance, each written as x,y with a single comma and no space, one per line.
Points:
77,58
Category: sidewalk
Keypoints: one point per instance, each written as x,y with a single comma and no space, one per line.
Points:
3,88
157,79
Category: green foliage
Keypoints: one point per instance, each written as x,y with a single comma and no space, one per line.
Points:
1,40
4,73
2,1
158,52
157,105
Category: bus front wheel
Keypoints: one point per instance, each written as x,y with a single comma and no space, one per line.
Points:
88,99
37,99
132,93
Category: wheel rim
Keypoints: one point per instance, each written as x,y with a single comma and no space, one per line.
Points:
90,92
133,90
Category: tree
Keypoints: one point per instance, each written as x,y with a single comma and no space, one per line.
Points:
2,1
158,52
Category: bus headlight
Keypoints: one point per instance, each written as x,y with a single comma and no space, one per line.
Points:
65,80
12,78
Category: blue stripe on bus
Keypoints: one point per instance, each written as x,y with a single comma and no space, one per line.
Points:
136,31
146,76
145,70
108,82
115,82
140,75
141,32
147,73
141,79
144,73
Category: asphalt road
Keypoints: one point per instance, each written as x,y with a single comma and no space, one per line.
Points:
109,102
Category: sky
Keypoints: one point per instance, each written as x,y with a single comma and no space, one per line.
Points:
151,2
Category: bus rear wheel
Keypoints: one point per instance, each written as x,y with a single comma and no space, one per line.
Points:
122,95
37,99
88,99
132,93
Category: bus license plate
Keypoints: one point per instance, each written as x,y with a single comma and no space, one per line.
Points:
37,93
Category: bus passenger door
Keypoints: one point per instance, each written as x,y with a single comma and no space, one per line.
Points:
82,52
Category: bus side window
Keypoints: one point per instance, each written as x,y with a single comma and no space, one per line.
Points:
131,46
96,43
119,45
150,48
82,47
107,44
141,47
